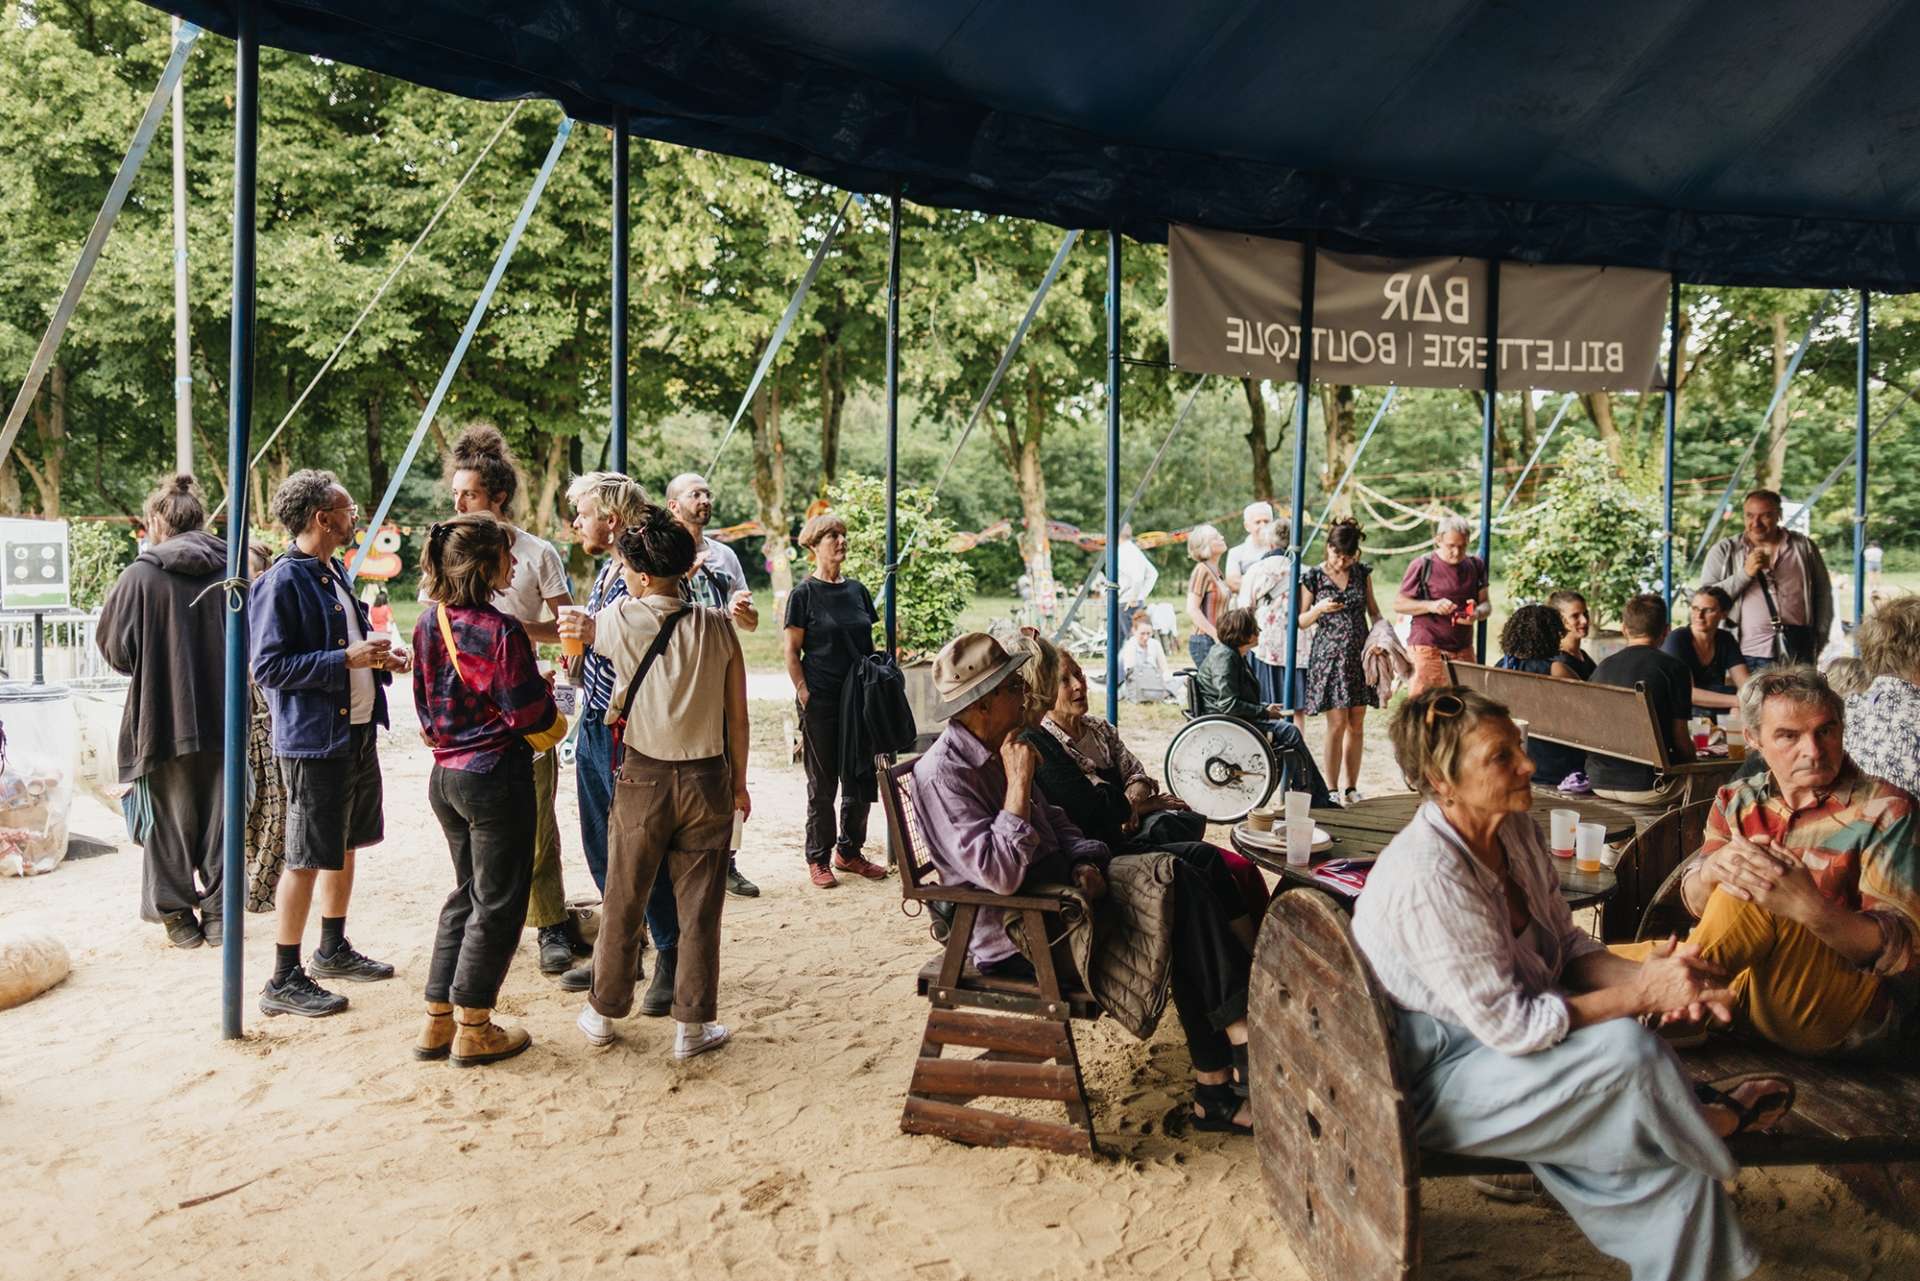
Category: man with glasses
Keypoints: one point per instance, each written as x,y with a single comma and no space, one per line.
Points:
324,679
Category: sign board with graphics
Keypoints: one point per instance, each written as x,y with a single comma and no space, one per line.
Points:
1233,308
33,565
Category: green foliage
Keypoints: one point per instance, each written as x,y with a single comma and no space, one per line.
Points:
1591,532
934,583
97,550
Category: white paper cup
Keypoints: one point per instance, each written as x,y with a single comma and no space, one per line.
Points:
1561,825
1299,842
1590,843
1609,856
1298,805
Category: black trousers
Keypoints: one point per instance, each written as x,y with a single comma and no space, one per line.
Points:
489,820
188,837
820,756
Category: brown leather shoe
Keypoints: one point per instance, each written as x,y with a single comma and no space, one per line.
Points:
822,875
436,1037
859,866
478,1039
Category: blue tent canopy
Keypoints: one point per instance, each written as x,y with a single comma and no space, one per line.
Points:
1760,142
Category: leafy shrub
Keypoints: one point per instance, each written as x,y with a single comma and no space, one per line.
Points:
934,582
97,551
1591,532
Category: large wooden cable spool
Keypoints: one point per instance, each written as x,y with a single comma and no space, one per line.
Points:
1331,1119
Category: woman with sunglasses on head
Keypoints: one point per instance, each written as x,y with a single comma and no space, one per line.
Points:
1520,1036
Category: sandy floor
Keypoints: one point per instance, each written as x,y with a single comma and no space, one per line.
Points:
138,1143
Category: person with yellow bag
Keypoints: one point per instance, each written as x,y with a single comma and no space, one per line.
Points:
484,709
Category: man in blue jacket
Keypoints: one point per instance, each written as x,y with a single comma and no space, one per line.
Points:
325,682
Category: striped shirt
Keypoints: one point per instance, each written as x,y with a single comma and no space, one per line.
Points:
596,673
1434,924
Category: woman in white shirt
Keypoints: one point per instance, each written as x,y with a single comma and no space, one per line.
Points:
1520,1036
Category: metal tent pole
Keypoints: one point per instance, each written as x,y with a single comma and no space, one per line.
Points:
1309,253
1487,425
1113,477
893,426
621,233
182,344
1673,415
1860,472
246,142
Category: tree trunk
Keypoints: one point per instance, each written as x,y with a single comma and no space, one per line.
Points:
770,488
1529,437
50,425
833,404
9,487
546,492
377,477
1774,462
1337,408
1257,439
1599,406
1035,545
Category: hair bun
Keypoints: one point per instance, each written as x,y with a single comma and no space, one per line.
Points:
479,442
183,483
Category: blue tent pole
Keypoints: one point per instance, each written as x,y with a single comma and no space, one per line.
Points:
246,144
1860,473
893,424
1309,255
1113,477
1487,425
621,232
1673,417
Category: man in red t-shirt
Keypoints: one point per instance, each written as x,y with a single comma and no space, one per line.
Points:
1443,593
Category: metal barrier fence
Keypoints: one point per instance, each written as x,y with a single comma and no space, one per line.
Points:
68,651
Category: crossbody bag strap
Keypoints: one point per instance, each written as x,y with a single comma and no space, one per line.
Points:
446,638
660,639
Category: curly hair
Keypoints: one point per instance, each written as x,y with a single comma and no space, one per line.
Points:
461,557
483,450
301,497
1532,632
175,508
656,544
1890,638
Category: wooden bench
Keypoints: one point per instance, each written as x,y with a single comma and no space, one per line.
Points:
1334,1128
1608,719
1023,1028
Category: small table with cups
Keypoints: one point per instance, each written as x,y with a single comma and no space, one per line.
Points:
1358,832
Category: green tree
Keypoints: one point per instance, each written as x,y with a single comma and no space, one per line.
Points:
1590,532
934,582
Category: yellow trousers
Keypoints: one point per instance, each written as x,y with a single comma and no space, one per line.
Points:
1788,986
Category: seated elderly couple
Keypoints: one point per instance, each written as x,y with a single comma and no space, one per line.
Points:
1523,1038
1024,789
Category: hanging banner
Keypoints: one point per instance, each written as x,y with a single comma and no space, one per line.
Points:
1233,308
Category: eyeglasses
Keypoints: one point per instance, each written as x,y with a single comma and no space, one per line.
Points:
351,507
1445,707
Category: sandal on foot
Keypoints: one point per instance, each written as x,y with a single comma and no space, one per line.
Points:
1774,1103
1218,1106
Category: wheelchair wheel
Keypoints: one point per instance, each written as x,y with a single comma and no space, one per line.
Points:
1222,766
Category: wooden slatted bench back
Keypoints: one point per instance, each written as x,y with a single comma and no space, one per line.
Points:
1606,719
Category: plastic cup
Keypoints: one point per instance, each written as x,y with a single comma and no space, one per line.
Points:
1261,820
1590,844
1561,824
1702,731
1299,805
572,646
1299,842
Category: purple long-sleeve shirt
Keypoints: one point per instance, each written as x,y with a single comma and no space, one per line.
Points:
958,788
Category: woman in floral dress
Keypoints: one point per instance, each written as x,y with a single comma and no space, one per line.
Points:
1336,600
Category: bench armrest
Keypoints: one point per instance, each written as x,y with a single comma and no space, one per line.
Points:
1006,902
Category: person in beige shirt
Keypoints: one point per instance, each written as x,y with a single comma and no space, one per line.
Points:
682,778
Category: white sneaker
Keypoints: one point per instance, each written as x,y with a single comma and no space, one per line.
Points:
595,1026
1351,796
698,1038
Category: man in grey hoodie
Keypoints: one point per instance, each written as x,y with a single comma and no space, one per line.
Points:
1782,596
158,628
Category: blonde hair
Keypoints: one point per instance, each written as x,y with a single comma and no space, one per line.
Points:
1200,541
1428,733
461,557
1848,676
613,494
1890,638
1041,673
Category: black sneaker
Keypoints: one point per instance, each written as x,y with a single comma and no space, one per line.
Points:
182,929
739,885
577,979
213,931
298,994
349,964
556,950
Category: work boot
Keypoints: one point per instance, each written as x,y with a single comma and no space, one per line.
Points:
575,939
556,950
658,998
577,979
182,929
436,1037
212,930
478,1039
738,885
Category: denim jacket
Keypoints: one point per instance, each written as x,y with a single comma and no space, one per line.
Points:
300,655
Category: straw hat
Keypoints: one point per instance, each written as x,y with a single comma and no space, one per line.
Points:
970,668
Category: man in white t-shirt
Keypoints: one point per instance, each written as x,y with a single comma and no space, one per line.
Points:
1254,520
717,581
1137,577
534,595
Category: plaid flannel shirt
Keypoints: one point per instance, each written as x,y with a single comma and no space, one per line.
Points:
473,716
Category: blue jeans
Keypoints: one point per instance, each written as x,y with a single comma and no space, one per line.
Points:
593,770
1199,645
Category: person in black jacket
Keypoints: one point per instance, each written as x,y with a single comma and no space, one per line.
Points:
159,628
1228,688
829,628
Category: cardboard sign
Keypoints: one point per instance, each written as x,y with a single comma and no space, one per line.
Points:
33,565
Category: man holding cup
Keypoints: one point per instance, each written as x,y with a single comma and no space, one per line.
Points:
1782,595
324,674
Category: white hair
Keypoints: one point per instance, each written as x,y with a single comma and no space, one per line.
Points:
1199,539
1452,525
1256,511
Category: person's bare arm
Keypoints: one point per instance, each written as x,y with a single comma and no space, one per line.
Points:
741,610
1682,741
1708,698
546,631
1196,615
1373,604
1407,605
738,732
792,636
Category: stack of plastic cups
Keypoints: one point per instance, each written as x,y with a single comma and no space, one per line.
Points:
1299,829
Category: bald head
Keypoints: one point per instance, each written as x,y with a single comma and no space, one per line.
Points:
690,500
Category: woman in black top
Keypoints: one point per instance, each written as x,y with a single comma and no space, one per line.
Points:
1576,625
829,628
1531,642
1711,653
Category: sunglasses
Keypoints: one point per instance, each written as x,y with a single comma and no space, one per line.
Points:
1445,707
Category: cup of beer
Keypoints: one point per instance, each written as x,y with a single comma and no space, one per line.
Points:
572,646
1590,843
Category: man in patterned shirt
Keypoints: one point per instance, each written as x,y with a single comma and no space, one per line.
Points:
605,503
1806,887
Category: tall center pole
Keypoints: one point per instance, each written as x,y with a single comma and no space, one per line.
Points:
1673,419
182,345
893,422
1309,255
1860,472
1488,422
618,382
1113,477
246,141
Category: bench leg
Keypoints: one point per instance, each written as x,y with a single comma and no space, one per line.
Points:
1024,1057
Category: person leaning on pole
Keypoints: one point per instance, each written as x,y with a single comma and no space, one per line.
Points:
326,681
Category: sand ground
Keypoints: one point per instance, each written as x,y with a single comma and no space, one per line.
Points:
137,1143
